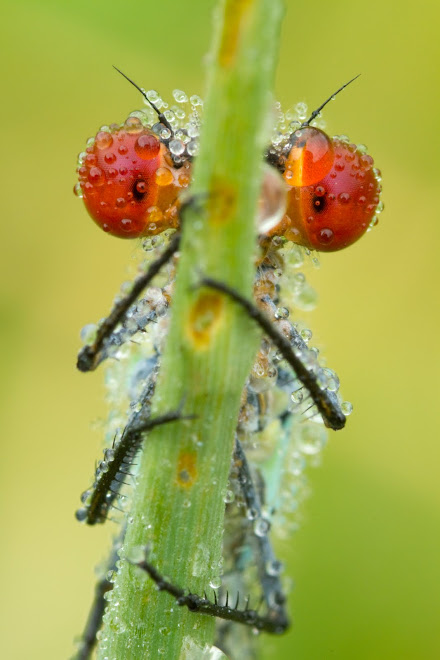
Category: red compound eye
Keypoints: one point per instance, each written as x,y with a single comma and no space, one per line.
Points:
333,192
128,181
337,209
332,188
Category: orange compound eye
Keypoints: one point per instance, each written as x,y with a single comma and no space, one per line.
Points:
337,209
310,158
128,181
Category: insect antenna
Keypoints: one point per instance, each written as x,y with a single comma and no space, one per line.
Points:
163,120
316,112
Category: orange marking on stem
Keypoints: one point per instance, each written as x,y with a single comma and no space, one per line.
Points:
186,469
205,318
236,15
222,202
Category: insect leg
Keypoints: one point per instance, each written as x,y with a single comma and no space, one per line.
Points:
325,401
94,620
87,357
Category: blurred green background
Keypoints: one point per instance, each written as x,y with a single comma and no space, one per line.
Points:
366,560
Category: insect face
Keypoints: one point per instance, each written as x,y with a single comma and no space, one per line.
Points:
131,176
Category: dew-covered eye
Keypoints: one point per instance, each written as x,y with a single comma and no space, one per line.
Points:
310,157
337,209
128,181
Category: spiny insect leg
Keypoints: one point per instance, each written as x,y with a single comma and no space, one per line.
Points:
325,401
88,355
269,567
201,605
94,620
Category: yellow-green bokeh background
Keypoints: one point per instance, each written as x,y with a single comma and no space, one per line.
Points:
366,561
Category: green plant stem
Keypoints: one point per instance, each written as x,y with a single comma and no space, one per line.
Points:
178,505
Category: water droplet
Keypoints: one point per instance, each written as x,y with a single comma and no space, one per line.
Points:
261,527
347,408
333,380
176,147
251,514
164,176
301,110
180,96
311,438
147,146
78,191
81,514
196,101
193,148
153,96
103,140
274,567
306,334
297,396
88,333
215,582
85,496
229,497
273,200
297,464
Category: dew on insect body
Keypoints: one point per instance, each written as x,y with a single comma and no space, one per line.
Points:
78,191
164,177
272,201
180,96
196,101
297,396
81,514
229,497
85,496
297,463
176,147
179,113
306,335
332,380
347,408
312,438
193,147
274,567
261,527
306,298
301,110
153,96
147,146
251,514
